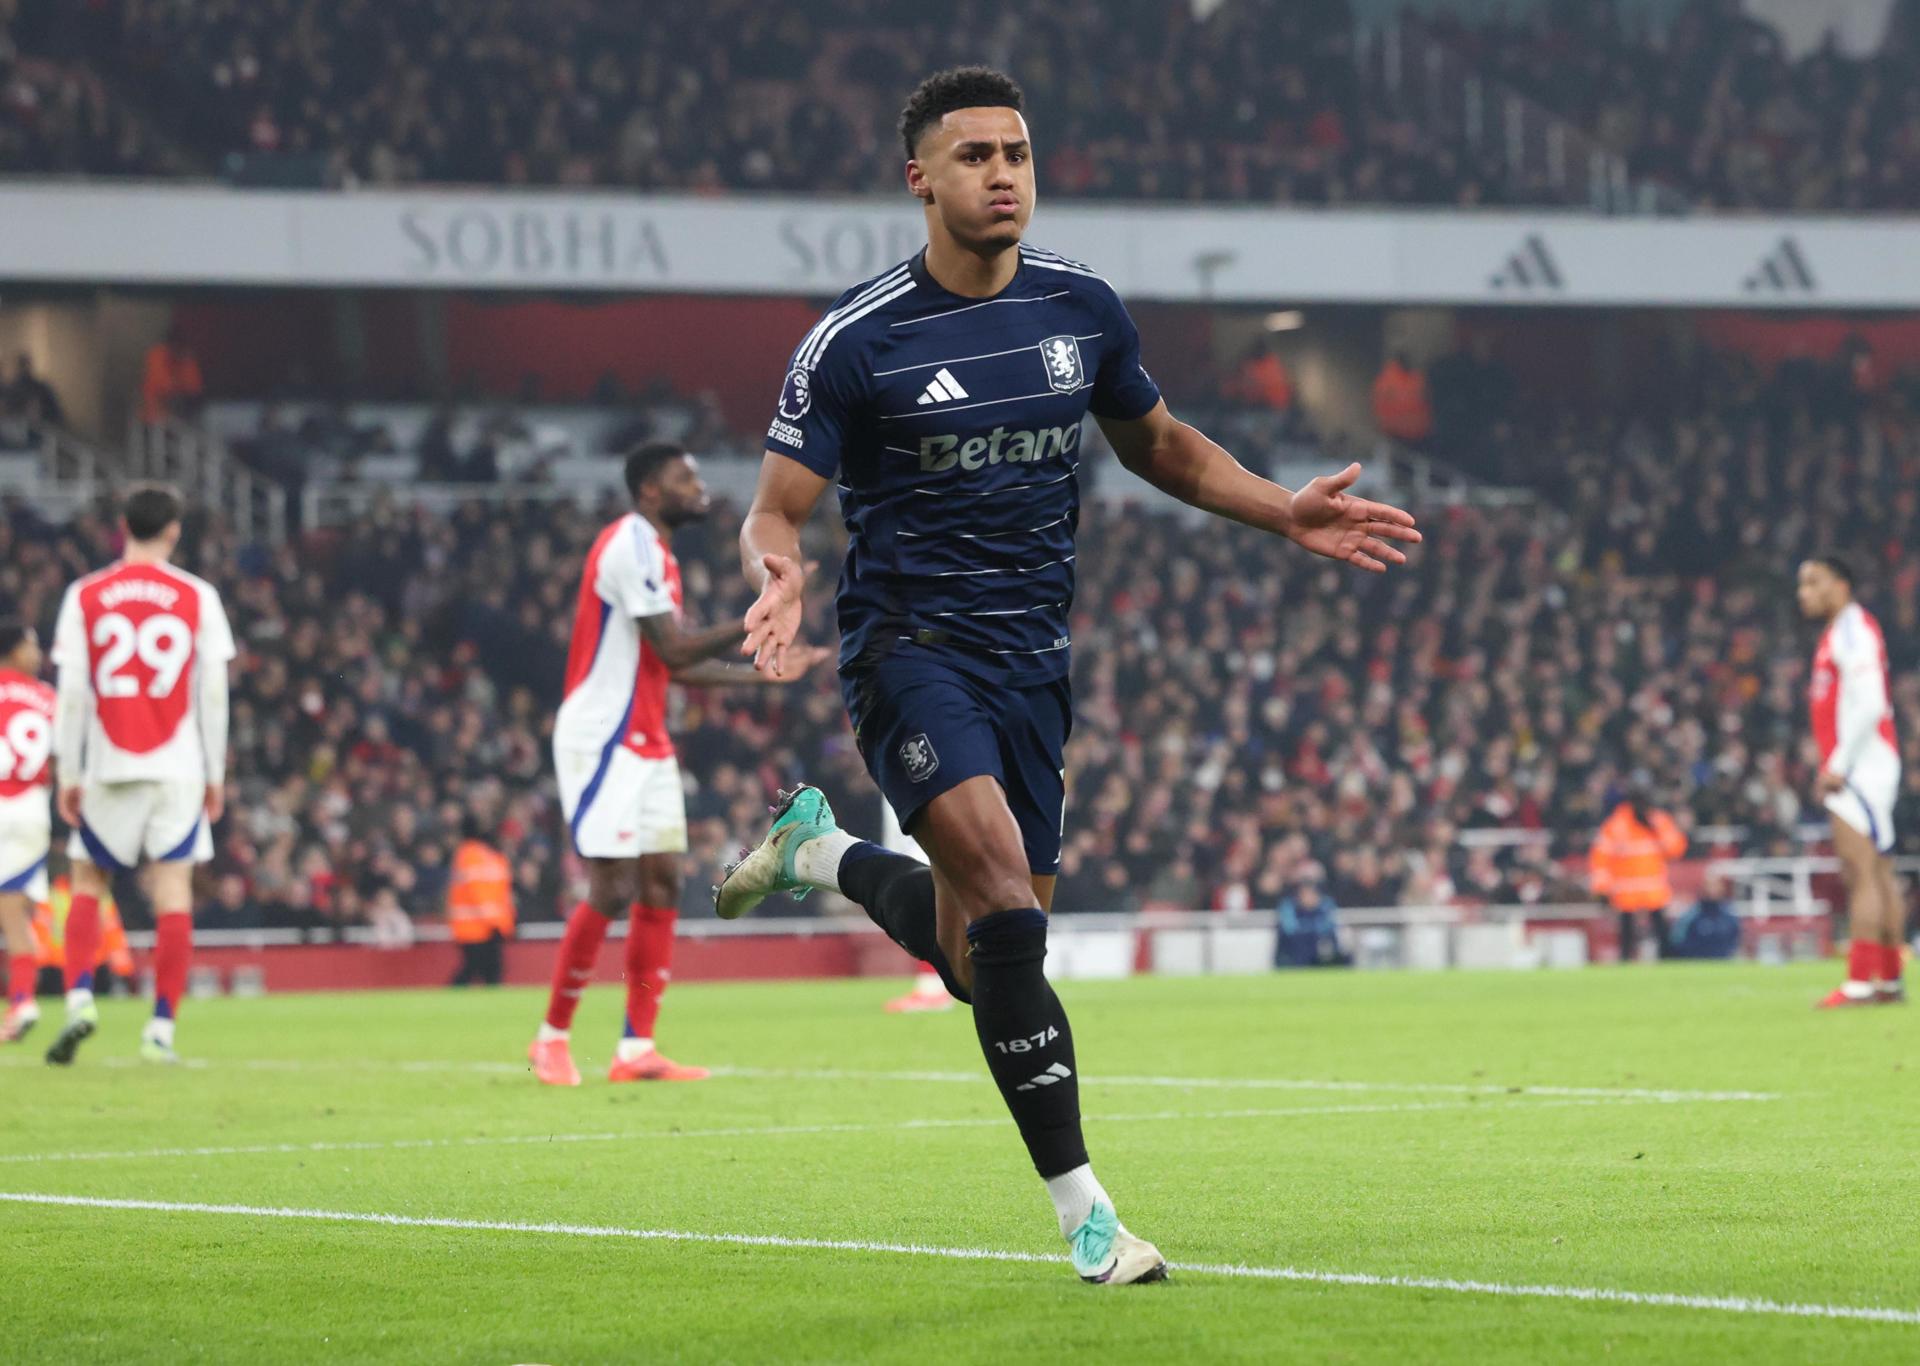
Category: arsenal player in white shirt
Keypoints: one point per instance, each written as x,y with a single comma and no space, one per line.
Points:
1852,713
26,816
140,738
618,775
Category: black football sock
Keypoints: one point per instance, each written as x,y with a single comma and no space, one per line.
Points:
1024,1034
896,892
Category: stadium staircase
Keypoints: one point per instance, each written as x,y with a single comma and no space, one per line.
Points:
199,462
1428,79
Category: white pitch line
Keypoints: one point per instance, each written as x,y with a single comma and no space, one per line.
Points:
763,1131
972,1078
1275,1084
1731,1304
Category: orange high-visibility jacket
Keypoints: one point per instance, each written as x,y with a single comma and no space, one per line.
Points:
1401,407
50,932
1629,860
480,898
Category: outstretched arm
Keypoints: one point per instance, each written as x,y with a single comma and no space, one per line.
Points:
1322,517
680,649
722,673
770,558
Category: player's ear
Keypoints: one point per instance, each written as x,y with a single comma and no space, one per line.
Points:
917,184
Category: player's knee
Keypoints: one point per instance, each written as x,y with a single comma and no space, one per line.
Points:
609,893
987,869
659,888
88,879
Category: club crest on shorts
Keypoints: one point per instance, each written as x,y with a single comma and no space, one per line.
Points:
918,758
1065,370
796,395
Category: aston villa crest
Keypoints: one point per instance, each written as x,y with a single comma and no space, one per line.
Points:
1065,372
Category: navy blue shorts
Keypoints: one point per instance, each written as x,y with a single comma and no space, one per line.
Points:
924,727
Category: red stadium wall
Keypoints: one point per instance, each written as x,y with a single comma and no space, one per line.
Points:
352,967
737,958
255,343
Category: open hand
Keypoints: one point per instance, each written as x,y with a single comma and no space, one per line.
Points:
799,659
774,619
1330,521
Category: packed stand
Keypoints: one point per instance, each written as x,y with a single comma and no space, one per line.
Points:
1257,100
1715,105
58,116
1249,722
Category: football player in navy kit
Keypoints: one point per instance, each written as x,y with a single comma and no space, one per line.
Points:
945,398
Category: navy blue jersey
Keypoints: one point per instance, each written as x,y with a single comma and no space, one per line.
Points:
952,426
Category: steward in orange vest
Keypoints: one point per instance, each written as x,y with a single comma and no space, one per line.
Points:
50,934
1629,867
479,907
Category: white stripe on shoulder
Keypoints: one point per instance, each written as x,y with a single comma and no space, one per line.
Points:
1046,260
885,282
1047,253
859,297
818,350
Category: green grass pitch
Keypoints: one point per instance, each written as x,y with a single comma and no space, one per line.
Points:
1688,1131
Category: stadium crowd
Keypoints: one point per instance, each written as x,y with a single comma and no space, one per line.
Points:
1715,105
1264,100
1248,719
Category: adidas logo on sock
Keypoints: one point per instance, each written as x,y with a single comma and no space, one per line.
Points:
1057,1073
942,388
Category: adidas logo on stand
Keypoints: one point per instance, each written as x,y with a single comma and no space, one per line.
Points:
1531,267
942,388
1784,270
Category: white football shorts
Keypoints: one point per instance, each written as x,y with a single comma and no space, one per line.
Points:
619,805
1873,786
125,824
26,838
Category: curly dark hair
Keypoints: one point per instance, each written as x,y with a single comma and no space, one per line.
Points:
960,87
1839,568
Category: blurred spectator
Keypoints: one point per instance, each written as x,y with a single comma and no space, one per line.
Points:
29,398
171,384
1309,933
1400,405
1260,380
232,906
1472,395
1711,929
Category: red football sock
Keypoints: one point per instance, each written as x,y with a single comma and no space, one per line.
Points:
83,941
649,960
172,951
1890,964
573,969
22,972
1863,960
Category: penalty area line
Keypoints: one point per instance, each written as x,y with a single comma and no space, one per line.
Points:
1728,1304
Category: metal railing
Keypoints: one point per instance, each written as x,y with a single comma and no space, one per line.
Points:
1531,144
198,462
1784,885
57,472
335,503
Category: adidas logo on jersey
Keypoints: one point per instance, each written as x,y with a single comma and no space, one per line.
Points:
1000,446
942,388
